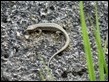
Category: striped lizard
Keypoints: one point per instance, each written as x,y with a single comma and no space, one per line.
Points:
50,27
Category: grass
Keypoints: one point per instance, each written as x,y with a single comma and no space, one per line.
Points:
101,54
45,72
86,42
87,45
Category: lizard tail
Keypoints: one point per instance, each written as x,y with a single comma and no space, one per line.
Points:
64,47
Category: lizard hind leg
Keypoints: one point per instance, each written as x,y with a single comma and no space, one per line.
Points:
38,32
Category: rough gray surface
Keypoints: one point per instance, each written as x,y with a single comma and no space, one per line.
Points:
21,58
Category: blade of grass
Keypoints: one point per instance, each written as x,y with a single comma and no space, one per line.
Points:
106,43
49,76
96,32
87,45
101,54
41,75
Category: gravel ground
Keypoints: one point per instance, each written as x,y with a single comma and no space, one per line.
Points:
25,59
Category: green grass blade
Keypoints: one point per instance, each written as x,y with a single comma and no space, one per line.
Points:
101,54
87,45
106,43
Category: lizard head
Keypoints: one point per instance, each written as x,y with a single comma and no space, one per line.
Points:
32,28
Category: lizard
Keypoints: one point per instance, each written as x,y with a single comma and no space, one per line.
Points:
50,27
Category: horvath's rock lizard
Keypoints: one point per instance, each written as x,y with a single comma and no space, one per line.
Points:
50,27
